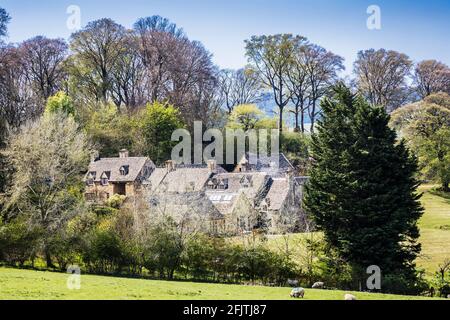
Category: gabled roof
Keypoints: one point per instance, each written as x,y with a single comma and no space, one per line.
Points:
278,192
182,179
275,163
112,167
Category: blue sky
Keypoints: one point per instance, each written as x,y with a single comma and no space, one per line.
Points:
418,28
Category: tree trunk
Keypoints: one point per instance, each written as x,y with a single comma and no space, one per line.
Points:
48,258
302,121
445,186
280,126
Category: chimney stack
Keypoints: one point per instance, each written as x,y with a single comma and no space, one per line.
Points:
94,155
170,165
211,165
123,153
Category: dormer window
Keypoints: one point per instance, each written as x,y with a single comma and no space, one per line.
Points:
104,179
90,178
124,170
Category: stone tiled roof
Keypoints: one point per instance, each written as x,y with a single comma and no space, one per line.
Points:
195,203
248,182
111,167
267,163
278,192
182,179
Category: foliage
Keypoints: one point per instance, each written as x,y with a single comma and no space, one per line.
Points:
245,117
47,156
18,242
60,102
362,191
426,125
109,131
115,201
155,124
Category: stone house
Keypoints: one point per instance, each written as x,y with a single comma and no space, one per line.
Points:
123,175
233,202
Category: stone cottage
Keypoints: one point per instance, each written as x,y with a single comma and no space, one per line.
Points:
123,175
256,196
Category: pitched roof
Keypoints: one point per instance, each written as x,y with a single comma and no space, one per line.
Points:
248,182
271,164
278,192
112,166
182,179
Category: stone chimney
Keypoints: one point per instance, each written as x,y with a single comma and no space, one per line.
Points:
170,165
94,156
211,165
123,153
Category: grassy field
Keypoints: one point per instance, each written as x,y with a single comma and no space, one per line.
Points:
30,284
434,231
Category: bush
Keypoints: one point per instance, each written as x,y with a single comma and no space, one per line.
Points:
116,201
103,252
19,242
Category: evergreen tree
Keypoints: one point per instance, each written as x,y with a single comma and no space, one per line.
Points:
362,191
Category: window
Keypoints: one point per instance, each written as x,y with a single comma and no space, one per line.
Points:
104,178
90,178
124,170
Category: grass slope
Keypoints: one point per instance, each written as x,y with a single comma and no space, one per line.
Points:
434,231
31,284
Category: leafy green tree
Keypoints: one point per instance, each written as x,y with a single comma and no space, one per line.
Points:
111,131
362,191
426,126
156,124
60,102
272,56
245,117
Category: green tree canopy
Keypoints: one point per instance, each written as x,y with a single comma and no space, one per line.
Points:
156,124
60,102
362,191
426,126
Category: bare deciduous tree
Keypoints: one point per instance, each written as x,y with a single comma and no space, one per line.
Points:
17,99
239,87
97,49
322,67
431,76
43,61
381,76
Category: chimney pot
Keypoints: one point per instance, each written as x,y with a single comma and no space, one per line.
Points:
123,153
170,165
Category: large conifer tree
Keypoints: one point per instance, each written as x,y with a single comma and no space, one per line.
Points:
362,191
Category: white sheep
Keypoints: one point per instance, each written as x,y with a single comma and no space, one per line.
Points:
297,292
349,296
318,285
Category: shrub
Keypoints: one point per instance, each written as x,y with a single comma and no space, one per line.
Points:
116,201
19,242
